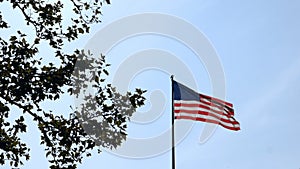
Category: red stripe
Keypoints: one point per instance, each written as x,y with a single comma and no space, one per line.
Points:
216,99
207,120
219,106
228,107
206,114
202,106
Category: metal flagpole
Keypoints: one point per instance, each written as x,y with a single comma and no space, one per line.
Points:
173,139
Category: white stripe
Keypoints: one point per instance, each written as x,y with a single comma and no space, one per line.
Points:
201,109
200,103
196,115
198,108
207,117
215,102
187,101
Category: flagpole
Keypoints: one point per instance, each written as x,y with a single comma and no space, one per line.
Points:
173,139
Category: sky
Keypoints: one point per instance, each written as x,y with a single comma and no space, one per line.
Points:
257,47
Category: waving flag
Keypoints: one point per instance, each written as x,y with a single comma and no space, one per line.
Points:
191,105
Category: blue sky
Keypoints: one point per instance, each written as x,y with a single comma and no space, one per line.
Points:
258,45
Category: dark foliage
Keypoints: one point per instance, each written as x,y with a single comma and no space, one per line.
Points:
26,82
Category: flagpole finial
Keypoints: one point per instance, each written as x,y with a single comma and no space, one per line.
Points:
172,77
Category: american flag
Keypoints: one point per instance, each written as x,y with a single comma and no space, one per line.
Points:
191,105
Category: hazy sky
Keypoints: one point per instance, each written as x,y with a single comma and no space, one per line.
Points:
257,43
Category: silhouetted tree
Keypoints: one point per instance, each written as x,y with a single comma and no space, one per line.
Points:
99,120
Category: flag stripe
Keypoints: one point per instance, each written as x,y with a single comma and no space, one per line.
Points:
220,106
192,108
205,113
217,100
196,107
209,119
235,128
195,104
190,105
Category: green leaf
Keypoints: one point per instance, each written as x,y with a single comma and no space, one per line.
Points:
13,38
80,30
97,79
105,71
48,153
